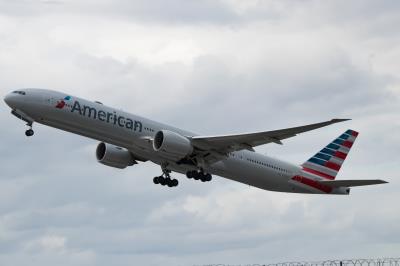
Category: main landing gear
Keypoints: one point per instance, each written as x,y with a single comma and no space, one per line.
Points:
165,178
199,176
165,181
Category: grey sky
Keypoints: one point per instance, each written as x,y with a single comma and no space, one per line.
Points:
212,67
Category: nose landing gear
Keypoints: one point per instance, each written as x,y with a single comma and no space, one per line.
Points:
29,121
29,132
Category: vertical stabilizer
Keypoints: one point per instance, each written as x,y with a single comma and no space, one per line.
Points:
327,162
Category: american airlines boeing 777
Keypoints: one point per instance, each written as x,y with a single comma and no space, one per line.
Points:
126,139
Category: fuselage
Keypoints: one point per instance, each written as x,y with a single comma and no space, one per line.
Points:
132,132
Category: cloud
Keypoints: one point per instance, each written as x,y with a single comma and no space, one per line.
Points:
47,243
212,67
168,12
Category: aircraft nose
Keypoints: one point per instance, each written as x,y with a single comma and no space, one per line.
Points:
10,100
7,99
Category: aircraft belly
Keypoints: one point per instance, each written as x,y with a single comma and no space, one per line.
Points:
252,175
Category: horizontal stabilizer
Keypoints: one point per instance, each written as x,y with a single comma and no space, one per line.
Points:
351,183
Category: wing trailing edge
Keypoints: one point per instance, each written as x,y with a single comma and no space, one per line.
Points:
229,143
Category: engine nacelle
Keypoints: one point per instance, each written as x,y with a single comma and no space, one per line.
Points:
171,145
114,156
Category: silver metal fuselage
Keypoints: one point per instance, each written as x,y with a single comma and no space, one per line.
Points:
110,125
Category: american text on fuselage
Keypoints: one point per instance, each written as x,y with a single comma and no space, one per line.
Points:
107,117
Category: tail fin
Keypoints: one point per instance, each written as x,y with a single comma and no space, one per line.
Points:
328,161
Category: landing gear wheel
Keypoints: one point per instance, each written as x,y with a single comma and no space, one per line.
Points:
168,182
174,182
29,133
189,174
196,176
156,180
162,180
199,176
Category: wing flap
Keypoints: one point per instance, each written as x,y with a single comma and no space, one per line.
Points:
351,183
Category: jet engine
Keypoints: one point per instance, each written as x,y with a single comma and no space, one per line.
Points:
171,145
114,156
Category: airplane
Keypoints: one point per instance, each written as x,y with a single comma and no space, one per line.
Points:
127,139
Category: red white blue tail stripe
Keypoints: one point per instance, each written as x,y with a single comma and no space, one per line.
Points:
328,161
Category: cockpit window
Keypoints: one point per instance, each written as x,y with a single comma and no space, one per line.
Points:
19,92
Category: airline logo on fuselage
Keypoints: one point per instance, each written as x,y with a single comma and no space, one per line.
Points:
106,117
61,103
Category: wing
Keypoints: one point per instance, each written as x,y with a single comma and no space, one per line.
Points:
351,183
221,145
